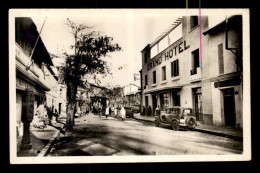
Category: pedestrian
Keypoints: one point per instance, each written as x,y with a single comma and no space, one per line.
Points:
123,113
115,112
157,111
149,111
110,111
107,111
56,114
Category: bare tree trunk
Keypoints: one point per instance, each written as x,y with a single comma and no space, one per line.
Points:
71,107
70,117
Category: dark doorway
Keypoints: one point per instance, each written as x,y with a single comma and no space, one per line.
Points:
60,108
154,102
229,107
198,103
176,98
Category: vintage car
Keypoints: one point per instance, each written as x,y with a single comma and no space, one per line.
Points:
129,112
136,108
176,117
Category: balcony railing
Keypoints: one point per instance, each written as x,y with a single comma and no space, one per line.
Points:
33,68
193,71
195,74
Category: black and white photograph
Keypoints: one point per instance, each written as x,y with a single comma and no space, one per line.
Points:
129,85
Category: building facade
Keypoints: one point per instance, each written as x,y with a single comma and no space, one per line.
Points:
180,68
59,63
31,86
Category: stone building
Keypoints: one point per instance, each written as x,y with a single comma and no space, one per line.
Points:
190,66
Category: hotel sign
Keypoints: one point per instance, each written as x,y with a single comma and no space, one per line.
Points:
173,50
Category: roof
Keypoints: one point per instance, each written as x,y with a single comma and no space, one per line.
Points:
26,35
235,19
167,31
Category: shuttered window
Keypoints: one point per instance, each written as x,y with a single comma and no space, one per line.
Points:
154,77
220,58
145,81
163,73
175,68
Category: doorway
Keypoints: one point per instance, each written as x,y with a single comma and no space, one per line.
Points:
154,102
229,107
198,103
60,108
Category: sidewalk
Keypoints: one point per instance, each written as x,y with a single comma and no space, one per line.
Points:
41,140
224,131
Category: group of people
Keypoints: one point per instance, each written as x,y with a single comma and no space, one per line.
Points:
49,113
109,110
148,111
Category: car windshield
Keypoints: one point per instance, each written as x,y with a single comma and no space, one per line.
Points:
173,111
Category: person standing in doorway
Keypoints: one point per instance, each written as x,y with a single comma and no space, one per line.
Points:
149,111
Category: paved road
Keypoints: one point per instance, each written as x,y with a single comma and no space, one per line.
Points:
110,136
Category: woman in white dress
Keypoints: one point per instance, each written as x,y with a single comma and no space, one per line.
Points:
123,113
107,111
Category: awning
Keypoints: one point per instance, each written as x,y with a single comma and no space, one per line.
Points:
161,89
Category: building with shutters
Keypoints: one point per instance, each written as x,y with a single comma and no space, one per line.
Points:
223,77
189,65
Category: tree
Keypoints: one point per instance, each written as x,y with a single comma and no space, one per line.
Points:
89,47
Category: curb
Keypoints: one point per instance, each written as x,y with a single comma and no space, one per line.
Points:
47,148
238,138
143,120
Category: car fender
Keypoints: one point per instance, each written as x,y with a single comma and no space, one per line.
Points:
175,119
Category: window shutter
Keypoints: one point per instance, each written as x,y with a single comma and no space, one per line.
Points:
177,67
172,67
220,58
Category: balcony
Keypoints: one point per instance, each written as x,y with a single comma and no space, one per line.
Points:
195,74
33,70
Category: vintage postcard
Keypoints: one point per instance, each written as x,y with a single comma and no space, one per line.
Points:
129,85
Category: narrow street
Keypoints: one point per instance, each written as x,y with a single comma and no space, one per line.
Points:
101,136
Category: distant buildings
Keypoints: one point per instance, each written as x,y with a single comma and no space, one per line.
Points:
132,95
59,62
192,65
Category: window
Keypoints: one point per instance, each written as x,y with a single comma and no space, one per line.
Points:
166,99
175,68
146,101
145,80
145,57
163,73
193,21
154,77
195,61
220,59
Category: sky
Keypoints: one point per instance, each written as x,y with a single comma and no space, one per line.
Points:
132,29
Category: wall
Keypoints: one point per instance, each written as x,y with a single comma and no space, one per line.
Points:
217,108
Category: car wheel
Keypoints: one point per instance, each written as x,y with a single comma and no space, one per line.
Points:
175,125
190,123
156,122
